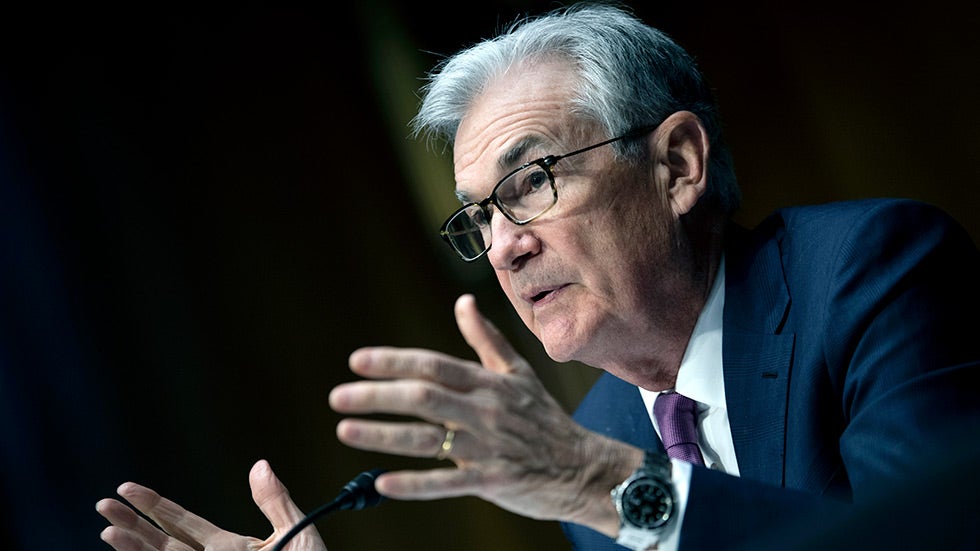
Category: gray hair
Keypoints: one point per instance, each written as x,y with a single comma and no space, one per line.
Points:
630,75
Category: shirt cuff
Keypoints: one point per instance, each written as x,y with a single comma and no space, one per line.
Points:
680,474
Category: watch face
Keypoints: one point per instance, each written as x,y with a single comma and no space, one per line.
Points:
647,503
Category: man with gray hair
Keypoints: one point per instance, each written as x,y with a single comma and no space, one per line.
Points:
751,377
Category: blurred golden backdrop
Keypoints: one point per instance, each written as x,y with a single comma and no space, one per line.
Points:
205,208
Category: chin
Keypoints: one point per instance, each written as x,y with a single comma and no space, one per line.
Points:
567,333
561,345
560,355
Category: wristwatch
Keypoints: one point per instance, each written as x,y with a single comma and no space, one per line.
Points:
645,502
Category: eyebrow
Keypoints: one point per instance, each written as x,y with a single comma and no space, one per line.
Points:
507,161
517,152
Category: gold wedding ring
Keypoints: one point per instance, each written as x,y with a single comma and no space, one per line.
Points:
447,444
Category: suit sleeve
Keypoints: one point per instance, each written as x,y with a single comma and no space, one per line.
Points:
901,344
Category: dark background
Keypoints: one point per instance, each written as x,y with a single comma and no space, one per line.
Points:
205,208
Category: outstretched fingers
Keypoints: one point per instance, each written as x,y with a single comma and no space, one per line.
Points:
431,484
174,519
131,532
495,352
383,362
411,439
177,529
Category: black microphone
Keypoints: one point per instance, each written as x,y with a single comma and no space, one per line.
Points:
356,495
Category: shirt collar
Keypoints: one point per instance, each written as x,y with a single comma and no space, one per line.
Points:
701,376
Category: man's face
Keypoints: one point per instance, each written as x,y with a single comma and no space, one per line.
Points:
592,276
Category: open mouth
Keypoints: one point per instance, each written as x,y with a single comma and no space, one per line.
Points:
540,296
544,294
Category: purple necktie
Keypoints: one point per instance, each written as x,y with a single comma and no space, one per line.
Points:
677,417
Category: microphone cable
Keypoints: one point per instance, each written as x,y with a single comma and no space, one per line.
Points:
357,494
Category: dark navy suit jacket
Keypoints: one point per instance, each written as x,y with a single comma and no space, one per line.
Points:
849,332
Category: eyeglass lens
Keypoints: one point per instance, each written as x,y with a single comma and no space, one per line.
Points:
521,197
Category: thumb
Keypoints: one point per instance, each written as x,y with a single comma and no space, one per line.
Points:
273,500
272,497
496,354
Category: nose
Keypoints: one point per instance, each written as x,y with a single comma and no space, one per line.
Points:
511,244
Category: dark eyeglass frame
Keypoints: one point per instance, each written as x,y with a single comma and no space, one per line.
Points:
546,163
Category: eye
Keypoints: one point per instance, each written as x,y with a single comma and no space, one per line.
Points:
530,180
526,193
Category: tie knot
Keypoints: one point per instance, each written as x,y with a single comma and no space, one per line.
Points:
672,403
678,420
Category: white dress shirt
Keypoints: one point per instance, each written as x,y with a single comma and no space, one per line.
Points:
701,378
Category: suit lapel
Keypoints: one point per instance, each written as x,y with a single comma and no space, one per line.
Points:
756,355
757,366
614,407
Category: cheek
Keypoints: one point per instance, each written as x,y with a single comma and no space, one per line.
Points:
602,236
503,278
640,225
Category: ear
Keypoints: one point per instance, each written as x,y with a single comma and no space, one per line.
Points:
681,156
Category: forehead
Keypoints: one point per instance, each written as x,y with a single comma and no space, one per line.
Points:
519,115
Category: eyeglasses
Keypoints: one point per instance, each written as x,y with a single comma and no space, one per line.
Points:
524,194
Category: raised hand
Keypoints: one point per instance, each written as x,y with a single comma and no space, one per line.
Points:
180,530
512,443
